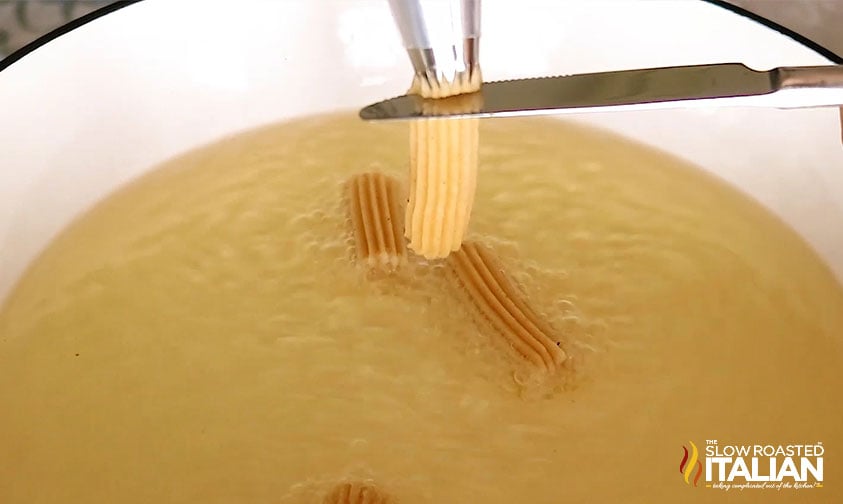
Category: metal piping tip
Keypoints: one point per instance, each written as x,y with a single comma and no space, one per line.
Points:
442,41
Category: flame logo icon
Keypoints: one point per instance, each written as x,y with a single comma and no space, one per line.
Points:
688,464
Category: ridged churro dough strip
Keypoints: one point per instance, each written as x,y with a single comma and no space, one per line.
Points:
375,206
468,179
443,165
357,493
443,179
498,300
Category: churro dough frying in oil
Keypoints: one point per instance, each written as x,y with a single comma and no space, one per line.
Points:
205,335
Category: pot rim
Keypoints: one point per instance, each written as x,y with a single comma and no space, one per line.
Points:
119,4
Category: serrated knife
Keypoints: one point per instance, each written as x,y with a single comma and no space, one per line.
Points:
729,84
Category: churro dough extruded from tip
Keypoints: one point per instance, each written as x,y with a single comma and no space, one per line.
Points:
443,179
497,299
375,204
432,86
357,493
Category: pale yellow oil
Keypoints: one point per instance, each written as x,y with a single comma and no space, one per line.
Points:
204,335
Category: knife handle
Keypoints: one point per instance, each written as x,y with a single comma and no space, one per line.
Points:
809,86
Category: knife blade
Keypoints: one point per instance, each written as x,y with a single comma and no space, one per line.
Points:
726,84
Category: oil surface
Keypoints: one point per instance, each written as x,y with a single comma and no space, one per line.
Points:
204,335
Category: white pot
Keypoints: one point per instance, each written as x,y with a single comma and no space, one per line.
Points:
102,104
